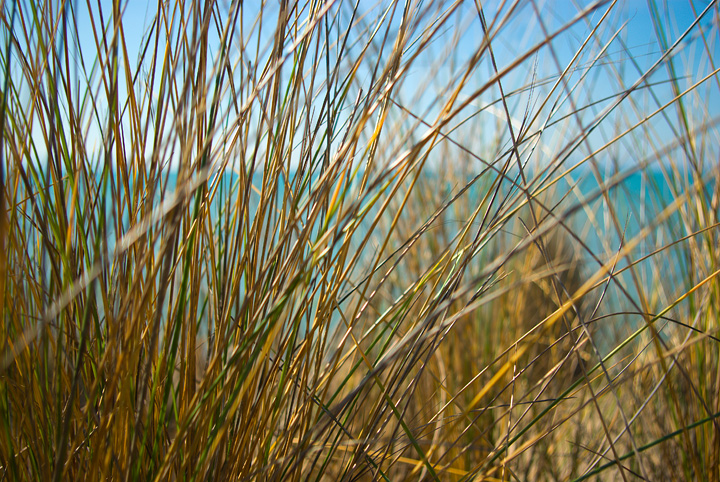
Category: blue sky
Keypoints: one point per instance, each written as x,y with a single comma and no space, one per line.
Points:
636,46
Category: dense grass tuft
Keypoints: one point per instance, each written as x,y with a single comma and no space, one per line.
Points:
336,241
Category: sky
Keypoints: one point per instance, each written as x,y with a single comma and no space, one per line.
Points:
635,48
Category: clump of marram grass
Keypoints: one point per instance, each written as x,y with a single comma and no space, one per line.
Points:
328,241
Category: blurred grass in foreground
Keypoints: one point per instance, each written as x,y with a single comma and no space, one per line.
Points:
324,241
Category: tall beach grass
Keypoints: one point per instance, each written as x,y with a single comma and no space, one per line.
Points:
337,240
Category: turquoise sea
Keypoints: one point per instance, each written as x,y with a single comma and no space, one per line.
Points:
637,202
